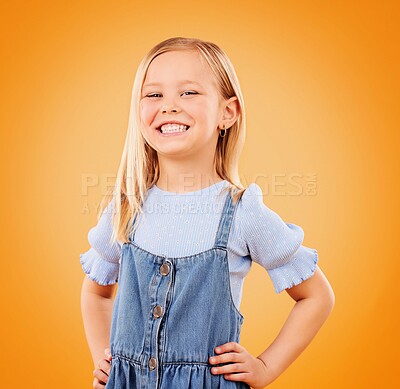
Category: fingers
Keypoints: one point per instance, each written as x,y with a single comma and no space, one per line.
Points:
230,368
239,365
236,359
229,352
237,377
230,346
228,357
102,371
100,375
104,366
98,384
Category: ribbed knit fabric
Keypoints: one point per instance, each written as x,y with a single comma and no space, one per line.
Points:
182,224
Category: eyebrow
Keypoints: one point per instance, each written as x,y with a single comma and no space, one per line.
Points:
183,82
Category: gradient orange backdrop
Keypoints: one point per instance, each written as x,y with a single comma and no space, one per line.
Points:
320,81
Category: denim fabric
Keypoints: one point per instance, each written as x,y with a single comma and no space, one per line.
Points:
198,314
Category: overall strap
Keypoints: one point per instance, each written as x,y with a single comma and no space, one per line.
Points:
225,222
132,233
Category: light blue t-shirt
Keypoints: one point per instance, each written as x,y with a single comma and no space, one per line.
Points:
183,224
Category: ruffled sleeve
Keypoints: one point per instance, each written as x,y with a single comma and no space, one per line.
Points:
101,261
274,244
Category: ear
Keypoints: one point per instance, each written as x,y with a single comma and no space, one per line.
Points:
231,110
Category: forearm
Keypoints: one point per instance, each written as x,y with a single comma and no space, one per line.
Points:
96,315
302,324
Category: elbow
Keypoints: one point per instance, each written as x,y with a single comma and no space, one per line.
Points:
325,298
329,300
332,299
326,294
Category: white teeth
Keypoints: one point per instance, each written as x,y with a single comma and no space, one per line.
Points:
168,128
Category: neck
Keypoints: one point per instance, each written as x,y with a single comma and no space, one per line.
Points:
179,177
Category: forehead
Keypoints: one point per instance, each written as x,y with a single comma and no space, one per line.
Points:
179,67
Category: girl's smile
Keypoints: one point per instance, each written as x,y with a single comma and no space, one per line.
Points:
172,129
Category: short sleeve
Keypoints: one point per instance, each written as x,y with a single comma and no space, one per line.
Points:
101,261
274,244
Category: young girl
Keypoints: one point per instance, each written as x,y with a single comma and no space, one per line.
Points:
179,232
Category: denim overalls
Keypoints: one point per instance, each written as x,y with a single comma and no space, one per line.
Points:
169,315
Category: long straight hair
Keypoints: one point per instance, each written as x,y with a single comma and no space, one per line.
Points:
139,168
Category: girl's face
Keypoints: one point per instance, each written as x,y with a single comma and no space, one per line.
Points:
180,87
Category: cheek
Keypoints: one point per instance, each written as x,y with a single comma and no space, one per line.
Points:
199,112
147,112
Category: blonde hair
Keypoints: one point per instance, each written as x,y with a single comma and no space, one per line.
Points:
139,168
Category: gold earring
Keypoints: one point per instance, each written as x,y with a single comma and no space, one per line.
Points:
222,133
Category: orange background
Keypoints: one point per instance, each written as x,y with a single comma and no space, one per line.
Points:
320,81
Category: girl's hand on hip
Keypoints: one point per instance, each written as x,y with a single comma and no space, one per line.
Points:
102,371
242,366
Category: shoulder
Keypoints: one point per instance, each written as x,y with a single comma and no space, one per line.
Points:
250,204
99,235
263,230
251,201
256,213
253,210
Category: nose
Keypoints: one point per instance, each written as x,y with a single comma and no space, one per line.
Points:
169,109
